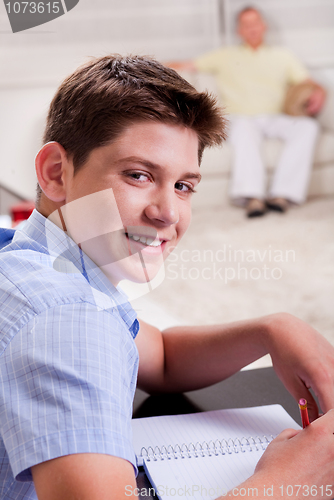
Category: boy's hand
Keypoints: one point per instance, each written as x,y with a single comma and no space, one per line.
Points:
297,464
303,359
290,458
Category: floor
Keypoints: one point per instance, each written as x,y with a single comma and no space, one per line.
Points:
228,267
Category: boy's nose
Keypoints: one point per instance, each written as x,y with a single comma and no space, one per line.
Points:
163,209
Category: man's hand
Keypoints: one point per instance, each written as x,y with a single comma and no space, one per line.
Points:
316,101
303,359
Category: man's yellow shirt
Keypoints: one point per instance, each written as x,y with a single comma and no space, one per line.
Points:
253,81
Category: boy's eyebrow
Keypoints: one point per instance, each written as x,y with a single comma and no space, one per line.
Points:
156,166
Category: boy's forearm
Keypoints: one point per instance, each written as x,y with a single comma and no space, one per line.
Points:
187,358
198,356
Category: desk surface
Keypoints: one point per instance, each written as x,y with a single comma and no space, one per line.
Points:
246,388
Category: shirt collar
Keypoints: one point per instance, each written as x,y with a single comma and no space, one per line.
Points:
248,48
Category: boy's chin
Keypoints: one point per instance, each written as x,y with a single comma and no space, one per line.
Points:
136,273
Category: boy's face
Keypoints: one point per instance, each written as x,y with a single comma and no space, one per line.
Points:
137,189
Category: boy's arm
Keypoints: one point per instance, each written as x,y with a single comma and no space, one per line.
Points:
187,358
184,358
84,476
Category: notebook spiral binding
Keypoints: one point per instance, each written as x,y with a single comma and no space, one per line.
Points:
218,447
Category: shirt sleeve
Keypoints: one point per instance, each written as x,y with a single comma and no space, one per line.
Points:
296,71
67,384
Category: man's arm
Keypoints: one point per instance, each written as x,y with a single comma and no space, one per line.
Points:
182,65
84,476
186,358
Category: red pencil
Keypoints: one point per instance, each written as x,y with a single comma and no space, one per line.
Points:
303,412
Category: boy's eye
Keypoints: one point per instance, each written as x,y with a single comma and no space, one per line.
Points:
184,188
138,176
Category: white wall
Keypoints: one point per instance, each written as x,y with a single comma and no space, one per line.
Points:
166,29
21,125
33,62
306,26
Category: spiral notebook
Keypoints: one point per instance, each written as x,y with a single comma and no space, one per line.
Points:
204,455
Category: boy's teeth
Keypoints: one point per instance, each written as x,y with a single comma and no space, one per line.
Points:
146,241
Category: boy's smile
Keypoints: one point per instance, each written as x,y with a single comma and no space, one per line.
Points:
141,185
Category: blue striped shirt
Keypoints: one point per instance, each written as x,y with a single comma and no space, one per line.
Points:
68,361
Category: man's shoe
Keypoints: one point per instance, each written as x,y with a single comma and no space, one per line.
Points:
278,204
255,208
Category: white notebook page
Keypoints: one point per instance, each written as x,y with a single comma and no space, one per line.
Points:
209,426
202,478
205,477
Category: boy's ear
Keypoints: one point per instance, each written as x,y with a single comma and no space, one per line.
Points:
51,165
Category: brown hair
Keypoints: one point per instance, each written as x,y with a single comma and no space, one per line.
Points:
99,100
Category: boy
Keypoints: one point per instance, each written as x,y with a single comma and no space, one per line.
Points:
123,143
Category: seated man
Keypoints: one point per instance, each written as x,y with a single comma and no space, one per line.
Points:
120,162
253,79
